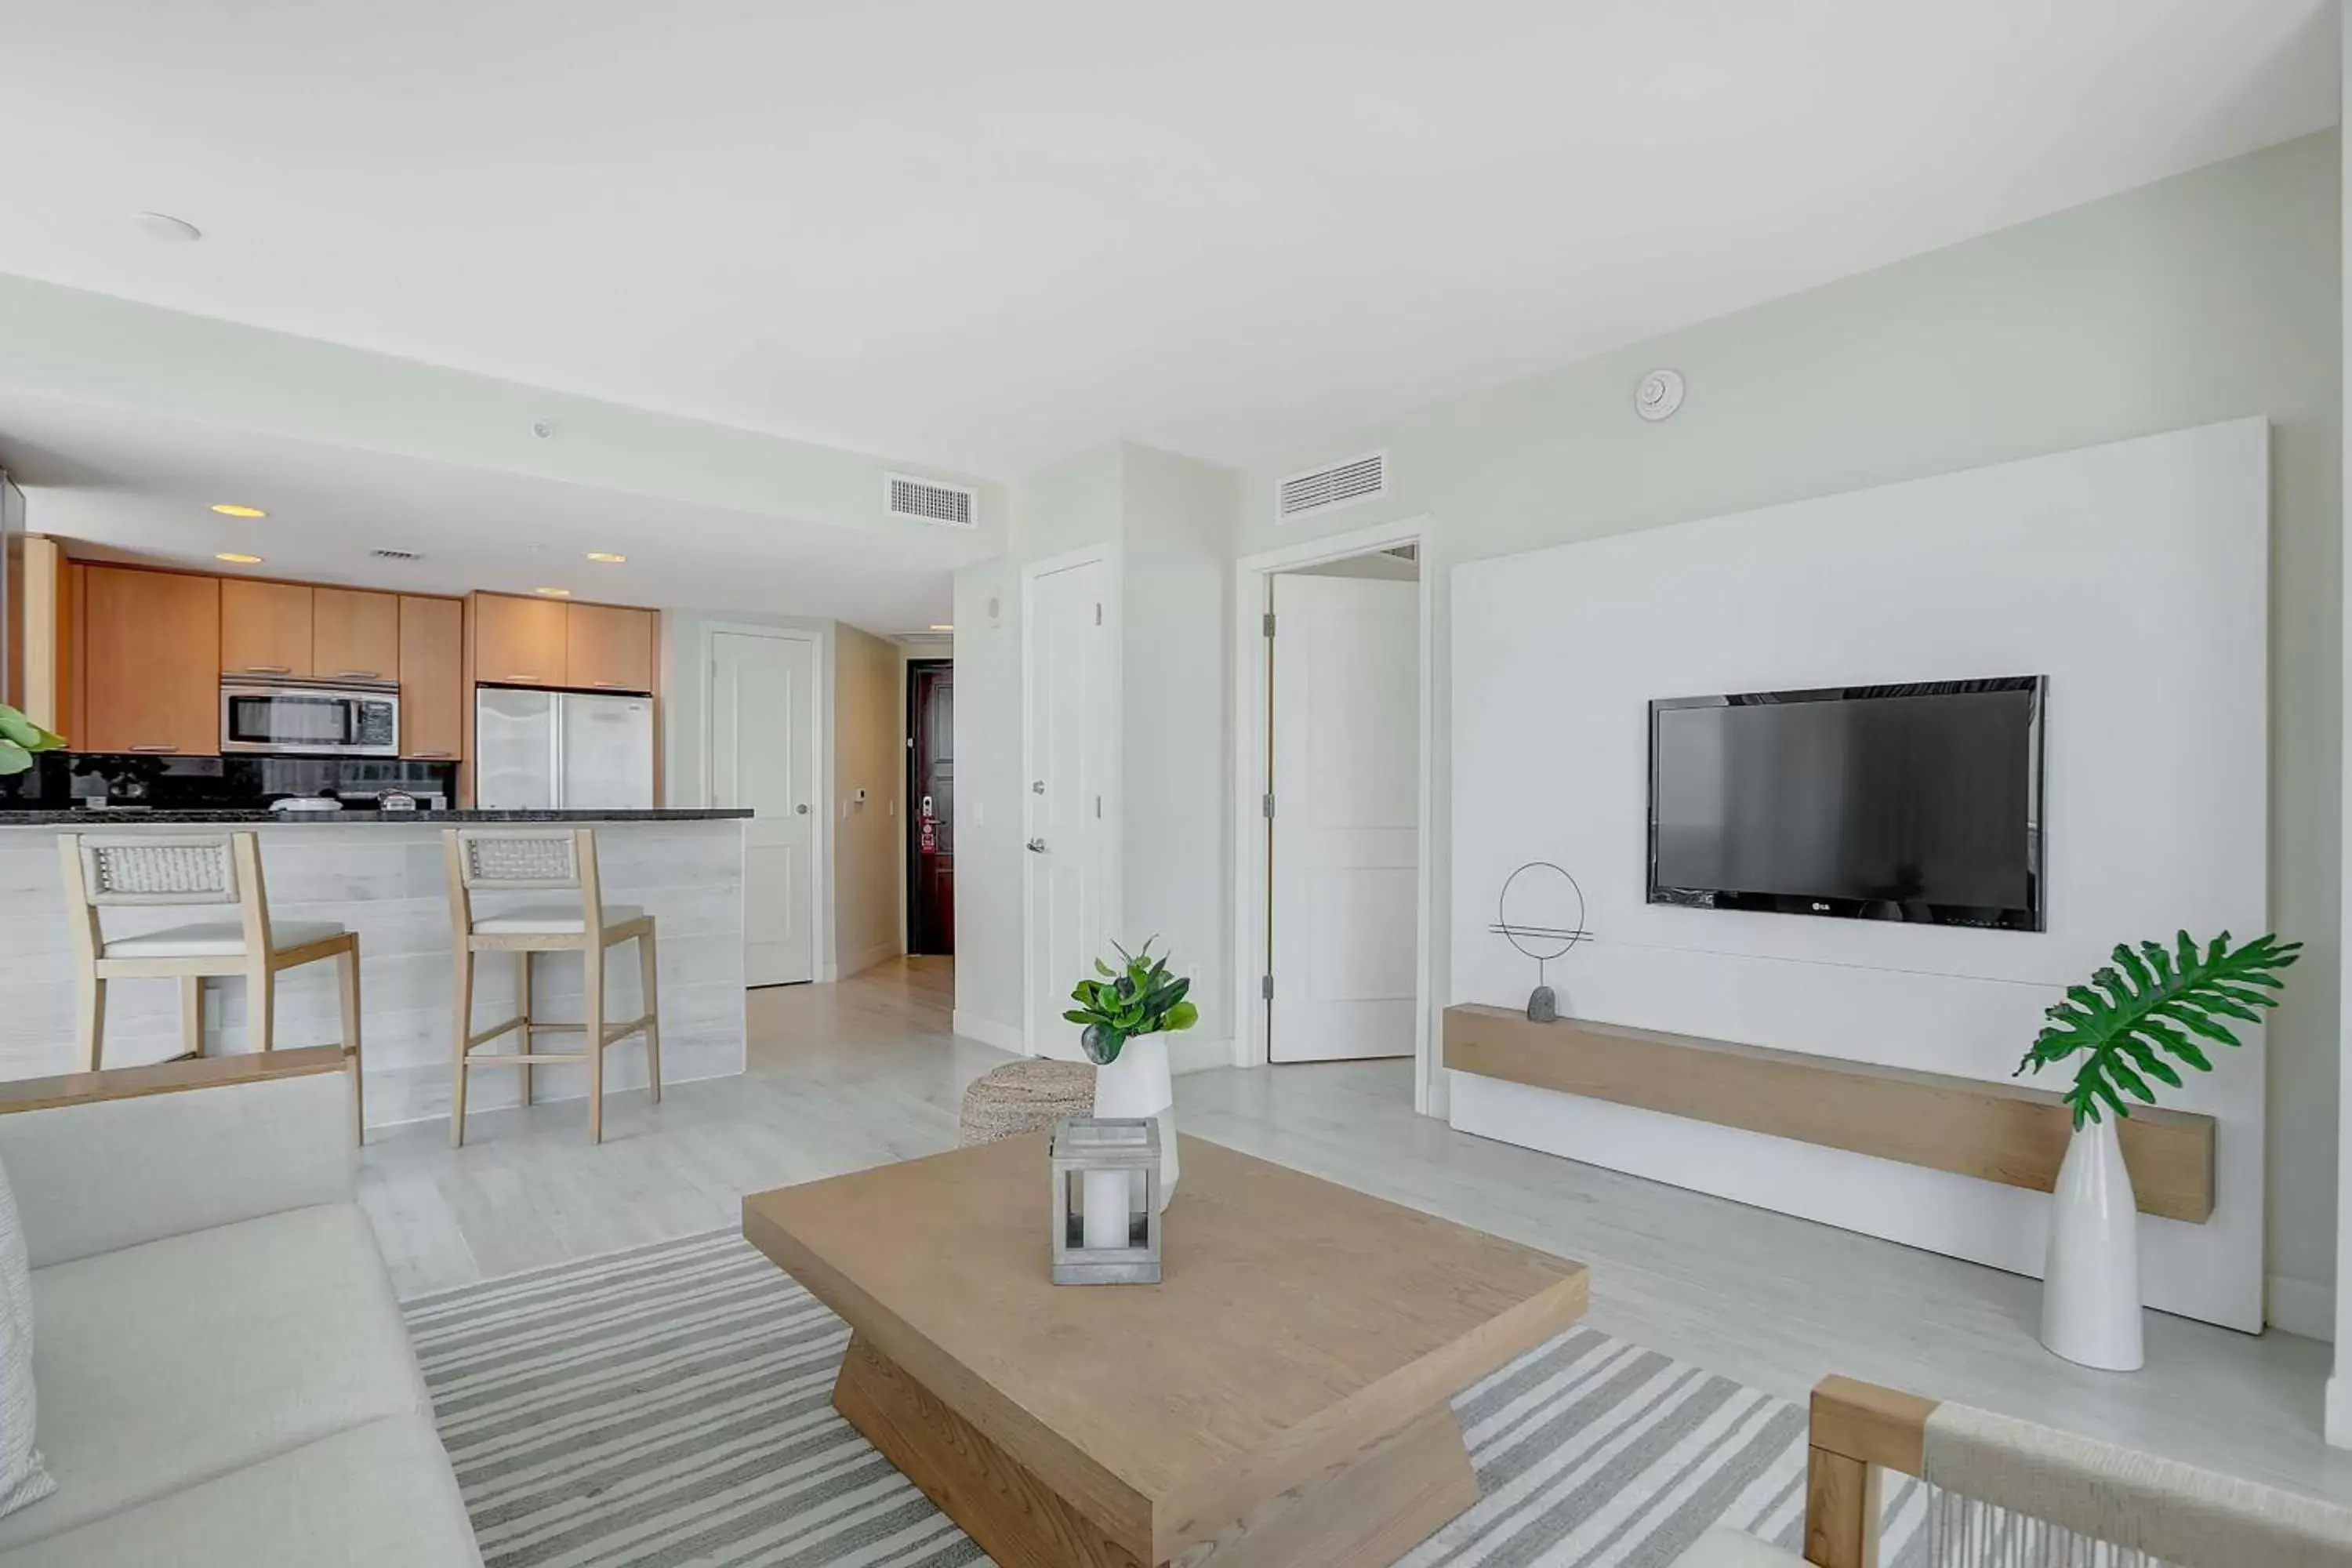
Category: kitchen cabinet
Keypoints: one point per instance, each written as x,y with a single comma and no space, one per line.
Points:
265,629
152,662
432,677
354,634
519,641
607,647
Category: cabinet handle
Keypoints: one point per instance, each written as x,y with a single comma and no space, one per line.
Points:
614,685
154,748
522,680
268,669
360,674
432,756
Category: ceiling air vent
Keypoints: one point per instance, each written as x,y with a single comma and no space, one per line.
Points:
398,555
1327,489
927,501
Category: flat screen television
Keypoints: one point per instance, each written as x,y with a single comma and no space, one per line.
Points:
1918,802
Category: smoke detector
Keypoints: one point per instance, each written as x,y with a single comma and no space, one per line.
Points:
1659,394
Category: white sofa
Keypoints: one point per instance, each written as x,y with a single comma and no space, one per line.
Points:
222,1374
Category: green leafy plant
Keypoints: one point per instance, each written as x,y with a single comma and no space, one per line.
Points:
1141,998
20,738
2136,1019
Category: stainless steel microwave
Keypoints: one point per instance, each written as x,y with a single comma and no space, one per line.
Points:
347,719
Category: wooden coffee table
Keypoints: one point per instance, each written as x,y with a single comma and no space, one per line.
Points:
1281,1398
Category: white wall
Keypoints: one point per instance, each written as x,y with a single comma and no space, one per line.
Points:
2127,573
869,754
1172,521
2213,296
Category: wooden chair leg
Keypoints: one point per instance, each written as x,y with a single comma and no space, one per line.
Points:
347,966
650,984
522,1011
261,1007
462,995
594,959
192,1014
90,1020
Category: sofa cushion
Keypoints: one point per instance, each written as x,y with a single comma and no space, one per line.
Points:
23,1478
166,1364
377,1496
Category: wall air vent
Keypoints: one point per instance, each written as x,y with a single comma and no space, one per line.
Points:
1327,489
398,555
927,501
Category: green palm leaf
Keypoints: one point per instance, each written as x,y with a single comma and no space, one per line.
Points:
2134,1020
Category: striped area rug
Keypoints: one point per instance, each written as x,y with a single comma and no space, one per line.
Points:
670,1405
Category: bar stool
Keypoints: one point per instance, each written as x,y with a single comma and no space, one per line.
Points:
218,869
496,860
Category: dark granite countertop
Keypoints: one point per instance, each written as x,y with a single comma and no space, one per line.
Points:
247,816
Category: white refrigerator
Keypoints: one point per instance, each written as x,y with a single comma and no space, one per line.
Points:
552,751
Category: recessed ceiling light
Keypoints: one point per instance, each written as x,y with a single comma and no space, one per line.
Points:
170,230
231,509
554,592
607,556
940,628
234,559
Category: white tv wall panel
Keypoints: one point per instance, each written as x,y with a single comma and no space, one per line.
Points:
2134,575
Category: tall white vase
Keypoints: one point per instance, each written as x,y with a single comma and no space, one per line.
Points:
2090,1279
1136,1084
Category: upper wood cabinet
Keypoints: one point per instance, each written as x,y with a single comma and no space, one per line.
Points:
152,662
608,647
519,641
432,677
265,629
354,634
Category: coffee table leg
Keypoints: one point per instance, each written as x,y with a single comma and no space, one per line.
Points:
1366,1513
1016,1519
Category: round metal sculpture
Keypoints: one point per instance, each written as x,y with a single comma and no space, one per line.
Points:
1550,921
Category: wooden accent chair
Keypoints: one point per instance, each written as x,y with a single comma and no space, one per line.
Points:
495,860
2004,1493
218,870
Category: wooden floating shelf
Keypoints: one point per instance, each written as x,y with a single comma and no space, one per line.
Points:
2001,1132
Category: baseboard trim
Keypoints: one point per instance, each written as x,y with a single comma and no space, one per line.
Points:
880,953
2300,1307
988,1032
1192,1053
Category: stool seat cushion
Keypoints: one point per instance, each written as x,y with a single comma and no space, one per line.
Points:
217,939
1024,1096
549,919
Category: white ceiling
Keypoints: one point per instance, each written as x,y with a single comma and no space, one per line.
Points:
995,235
142,487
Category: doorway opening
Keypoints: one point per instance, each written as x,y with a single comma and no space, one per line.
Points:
931,794
1332,872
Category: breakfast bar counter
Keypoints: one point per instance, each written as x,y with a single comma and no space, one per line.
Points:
380,875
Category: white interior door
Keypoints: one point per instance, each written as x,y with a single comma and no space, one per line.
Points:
1066,754
762,740
1345,844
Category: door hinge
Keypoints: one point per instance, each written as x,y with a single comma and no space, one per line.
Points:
1269,623
1266,987
1097,808
1099,614
1270,807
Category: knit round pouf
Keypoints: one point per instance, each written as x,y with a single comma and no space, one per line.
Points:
1024,1096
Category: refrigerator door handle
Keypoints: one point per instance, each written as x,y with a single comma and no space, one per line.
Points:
555,752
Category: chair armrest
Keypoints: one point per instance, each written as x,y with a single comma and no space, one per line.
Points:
102,1161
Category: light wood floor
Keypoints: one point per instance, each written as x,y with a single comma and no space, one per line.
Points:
845,1077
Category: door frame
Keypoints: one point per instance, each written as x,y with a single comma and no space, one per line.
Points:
1107,556
1253,712
909,857
823,964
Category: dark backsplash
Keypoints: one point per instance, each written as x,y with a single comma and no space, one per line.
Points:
61,778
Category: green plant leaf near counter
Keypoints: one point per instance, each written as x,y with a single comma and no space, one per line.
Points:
2147,1012
1141,998
20,738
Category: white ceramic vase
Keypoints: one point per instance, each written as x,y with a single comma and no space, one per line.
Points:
1135,1085
2090,1279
